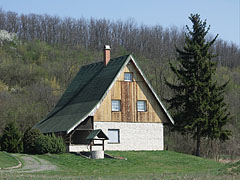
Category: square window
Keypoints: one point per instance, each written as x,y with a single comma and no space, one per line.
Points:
113,135
116,105
141,106
127,76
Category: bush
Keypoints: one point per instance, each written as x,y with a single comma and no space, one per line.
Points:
29,140
50,144
35,142
43,144
11,140
58,145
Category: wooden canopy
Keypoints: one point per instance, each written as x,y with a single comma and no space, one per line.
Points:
97,134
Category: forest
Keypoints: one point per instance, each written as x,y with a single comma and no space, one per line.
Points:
40,55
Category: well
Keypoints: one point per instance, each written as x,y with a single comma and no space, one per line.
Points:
99,154
97,135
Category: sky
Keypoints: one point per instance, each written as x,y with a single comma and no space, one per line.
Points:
222,15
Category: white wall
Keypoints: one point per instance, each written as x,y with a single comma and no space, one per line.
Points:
78,148
134,136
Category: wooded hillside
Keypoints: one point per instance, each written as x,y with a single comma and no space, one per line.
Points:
47,52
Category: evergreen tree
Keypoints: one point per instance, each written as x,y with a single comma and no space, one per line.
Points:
29,140
198,103
11,140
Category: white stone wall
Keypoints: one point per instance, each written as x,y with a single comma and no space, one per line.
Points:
78,148
134,136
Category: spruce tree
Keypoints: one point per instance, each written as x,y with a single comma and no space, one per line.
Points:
29,140
11,140
198,102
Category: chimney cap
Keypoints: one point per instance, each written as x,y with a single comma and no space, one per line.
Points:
107,47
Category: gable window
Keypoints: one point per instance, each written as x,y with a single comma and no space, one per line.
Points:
116,105
141,106
127,76
114,136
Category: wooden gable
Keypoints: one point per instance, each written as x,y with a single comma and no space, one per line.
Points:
129,93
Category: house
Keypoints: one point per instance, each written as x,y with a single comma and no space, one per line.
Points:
114,96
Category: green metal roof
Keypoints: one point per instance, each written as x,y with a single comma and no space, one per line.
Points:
83,94
97,133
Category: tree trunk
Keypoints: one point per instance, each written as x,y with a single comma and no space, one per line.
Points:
198,145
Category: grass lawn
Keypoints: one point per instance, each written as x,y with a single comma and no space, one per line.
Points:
7,160
139,165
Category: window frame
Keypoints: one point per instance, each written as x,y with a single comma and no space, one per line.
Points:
119,103
131,75
118,136
145,107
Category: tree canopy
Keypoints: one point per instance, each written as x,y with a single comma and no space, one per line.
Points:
11,140
198,101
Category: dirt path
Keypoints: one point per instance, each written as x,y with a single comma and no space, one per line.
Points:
228,160
32,164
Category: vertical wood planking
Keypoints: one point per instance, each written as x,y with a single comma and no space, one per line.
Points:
126,101
134,119
116,91
105,109
129,93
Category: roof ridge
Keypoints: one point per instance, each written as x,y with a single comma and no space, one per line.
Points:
101,62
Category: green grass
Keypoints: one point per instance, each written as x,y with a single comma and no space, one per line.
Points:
139,165
233,168
6,160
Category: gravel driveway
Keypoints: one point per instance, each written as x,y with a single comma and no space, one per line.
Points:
32,164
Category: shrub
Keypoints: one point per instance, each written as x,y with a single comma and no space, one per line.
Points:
11,140
58,145
29,140
50,144
43,144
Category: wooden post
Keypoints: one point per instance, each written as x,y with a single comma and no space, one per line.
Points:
103,144
70,139
91,145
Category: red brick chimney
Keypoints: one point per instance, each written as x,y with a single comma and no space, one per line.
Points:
106,54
